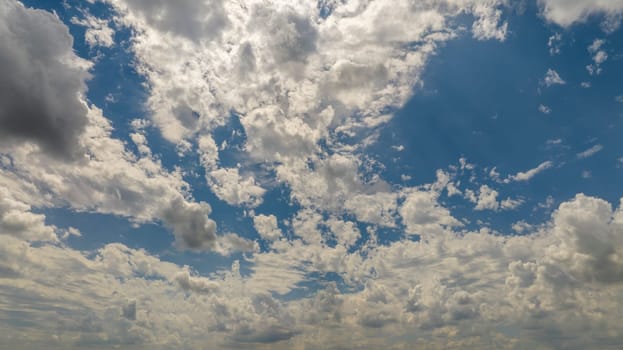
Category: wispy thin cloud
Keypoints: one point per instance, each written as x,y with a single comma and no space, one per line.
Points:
590,152
529,174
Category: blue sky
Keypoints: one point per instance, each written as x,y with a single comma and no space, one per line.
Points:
295,175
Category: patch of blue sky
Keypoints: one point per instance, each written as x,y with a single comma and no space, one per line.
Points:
98,230
315,282
230,138
480,101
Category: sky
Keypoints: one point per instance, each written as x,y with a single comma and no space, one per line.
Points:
331,174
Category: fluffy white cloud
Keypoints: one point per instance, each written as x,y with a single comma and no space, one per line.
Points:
17,219
379,208
423,215
266,226
488,26
294,79
112,180
443,284
568,12
487,199
233,188
98,32
300,84
91,171
195,20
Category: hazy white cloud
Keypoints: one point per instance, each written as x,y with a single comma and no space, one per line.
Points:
544,109
590,152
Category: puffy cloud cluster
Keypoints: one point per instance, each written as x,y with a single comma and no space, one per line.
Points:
266,226
301,78
448,290
17,219
45,113
98,32
553,78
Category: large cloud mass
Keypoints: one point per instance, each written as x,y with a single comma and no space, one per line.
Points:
351,261
42,81
557,287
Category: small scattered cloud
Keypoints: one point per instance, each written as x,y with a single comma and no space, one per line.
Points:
399,148
599,56
554,43
552,78
554,142
544,109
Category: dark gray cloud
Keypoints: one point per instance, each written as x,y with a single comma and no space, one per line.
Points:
129,310
41,81
191,225
272,334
